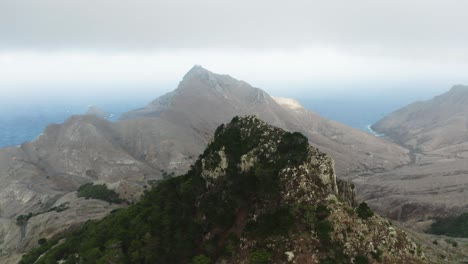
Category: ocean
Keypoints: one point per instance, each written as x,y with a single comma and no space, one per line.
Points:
24,123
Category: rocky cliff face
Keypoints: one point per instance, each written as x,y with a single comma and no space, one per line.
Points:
257,194
307,184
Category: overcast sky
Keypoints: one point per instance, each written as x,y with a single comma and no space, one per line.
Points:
62,46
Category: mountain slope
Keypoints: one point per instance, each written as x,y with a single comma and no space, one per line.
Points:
257,194
430,125
434,184
204,100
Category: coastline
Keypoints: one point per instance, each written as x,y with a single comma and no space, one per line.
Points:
377,134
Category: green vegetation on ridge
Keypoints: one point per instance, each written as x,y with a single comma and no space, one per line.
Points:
456,226
98,191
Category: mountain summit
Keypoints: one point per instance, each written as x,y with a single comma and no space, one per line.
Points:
257,194
199,72
203,100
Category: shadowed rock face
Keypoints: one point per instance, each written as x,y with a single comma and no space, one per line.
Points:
163,138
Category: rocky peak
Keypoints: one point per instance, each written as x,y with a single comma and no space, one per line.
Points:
199,77
457,95
248,142
203,75
197,71
97,111
459,89
264,172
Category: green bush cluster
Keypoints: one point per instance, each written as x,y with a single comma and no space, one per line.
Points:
34,254
456,226
201,259
23,219
361,260
42,241
364,211
98,191
260,256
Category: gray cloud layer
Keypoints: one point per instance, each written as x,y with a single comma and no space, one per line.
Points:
419,28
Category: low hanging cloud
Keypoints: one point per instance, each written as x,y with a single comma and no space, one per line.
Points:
424,29
269,43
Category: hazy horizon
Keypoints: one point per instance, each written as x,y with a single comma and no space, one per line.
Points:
53,49
364,58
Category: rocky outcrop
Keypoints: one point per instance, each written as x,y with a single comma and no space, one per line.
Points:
311,182
347,192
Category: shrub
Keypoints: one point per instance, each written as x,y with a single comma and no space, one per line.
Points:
364,211
260,257
42,241
23,219
377,254
322,212
201,259
361,260
323,229
328,260
98,191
